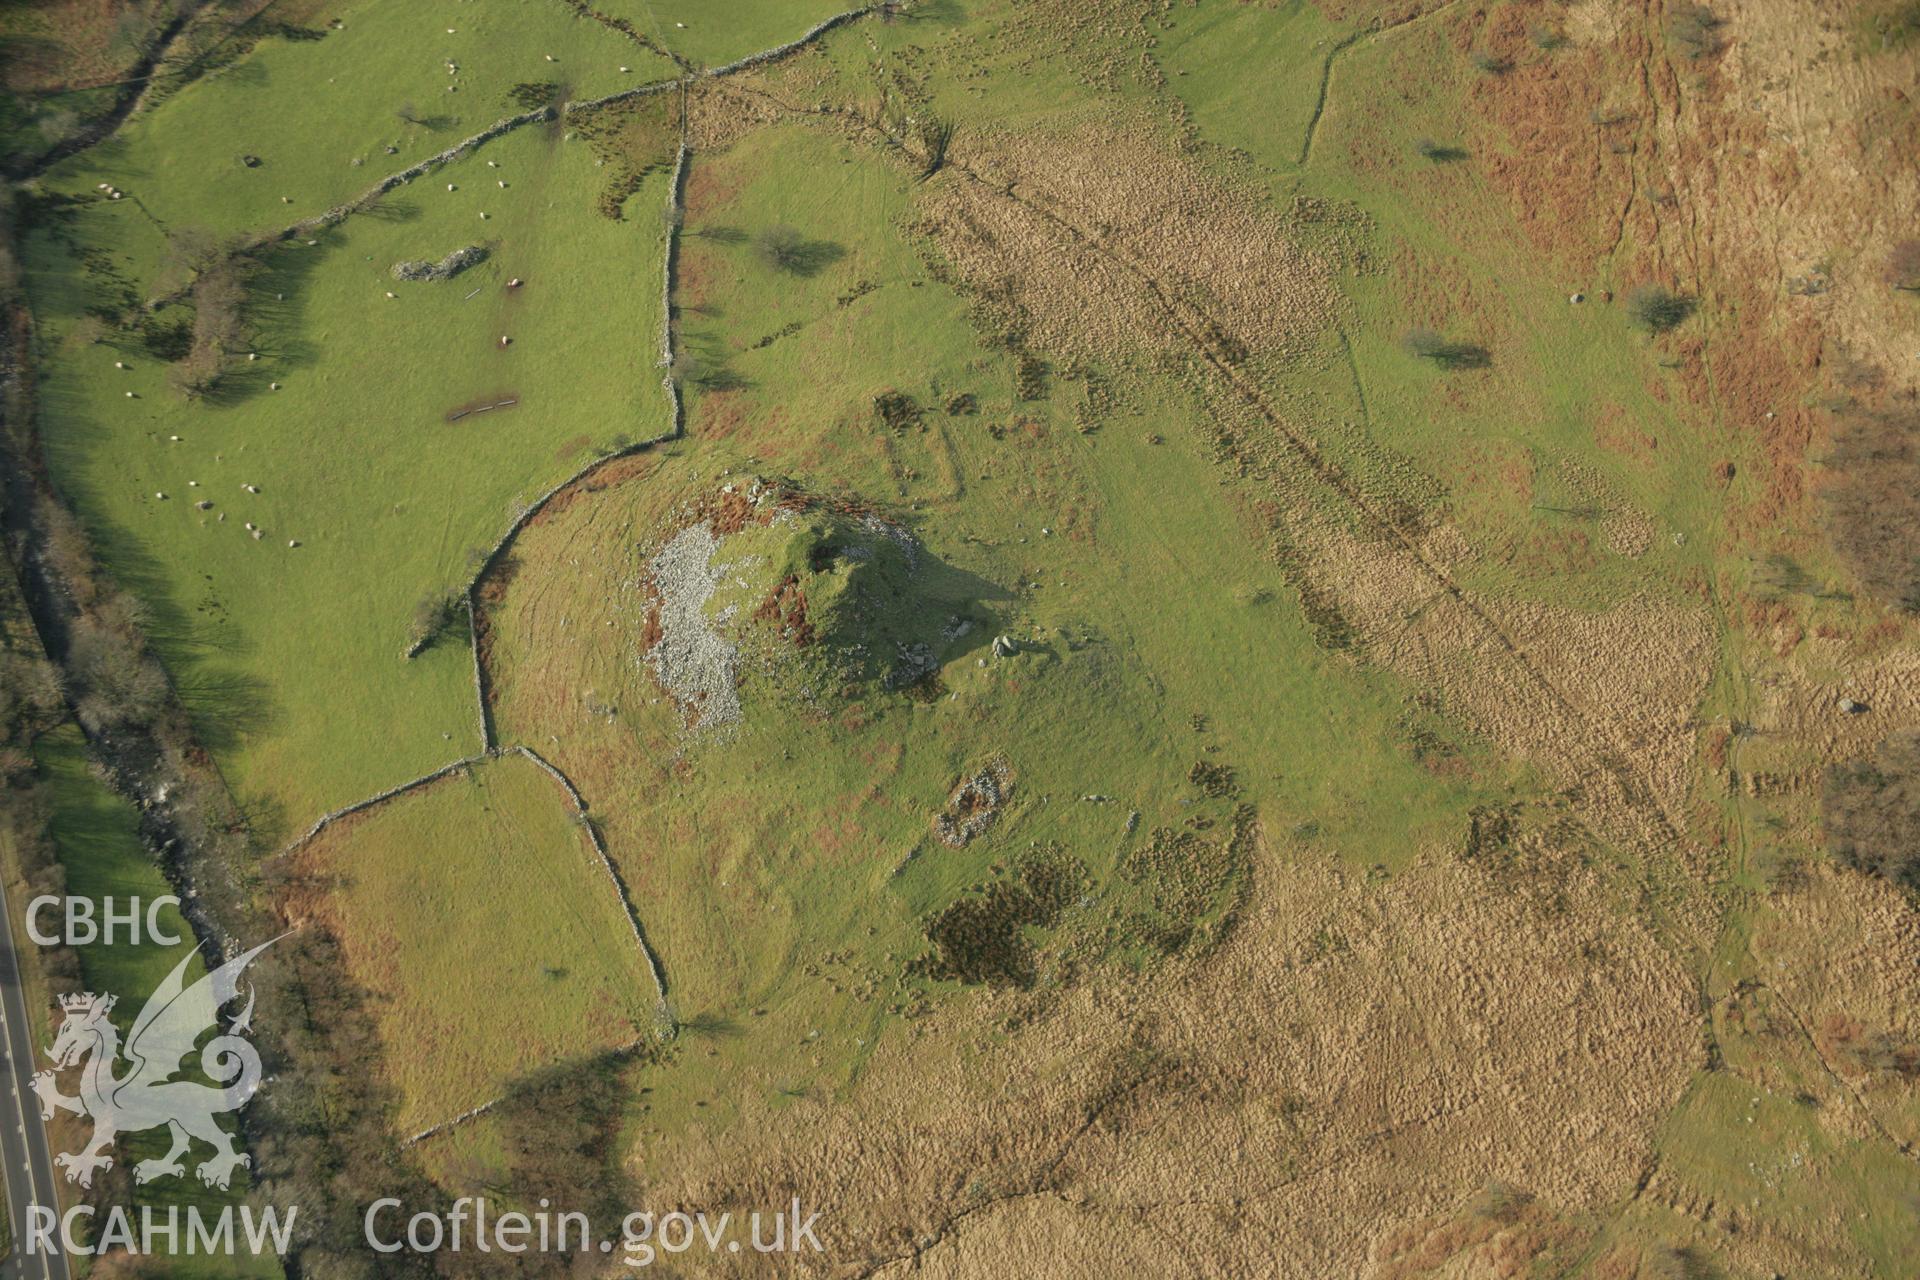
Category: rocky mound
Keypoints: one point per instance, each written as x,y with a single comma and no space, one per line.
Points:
445,269
816,596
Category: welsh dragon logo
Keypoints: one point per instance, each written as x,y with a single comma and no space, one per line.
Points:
147,1095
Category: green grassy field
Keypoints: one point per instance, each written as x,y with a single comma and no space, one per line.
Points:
711,35
319,115
99,839
488,933
290,657
1773,1160
1253,78
1563,378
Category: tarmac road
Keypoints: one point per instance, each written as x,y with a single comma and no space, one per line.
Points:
28,1160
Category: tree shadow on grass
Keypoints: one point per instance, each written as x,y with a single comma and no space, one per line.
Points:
391,211
714,1026
786,250
939,13
812,257
1446,352
224,706
1462,355
692,371
227,706
1440,152
703,362
275,312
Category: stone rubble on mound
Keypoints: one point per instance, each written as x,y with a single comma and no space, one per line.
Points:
695,650
973,806
445,269
692,661
912,664
908,544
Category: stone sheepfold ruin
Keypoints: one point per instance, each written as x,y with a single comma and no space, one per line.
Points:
445,269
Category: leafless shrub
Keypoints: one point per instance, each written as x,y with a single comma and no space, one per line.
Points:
432,615
123,684
1657,308
780,248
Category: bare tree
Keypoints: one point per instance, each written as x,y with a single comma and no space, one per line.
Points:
1657,308
781,247
220,330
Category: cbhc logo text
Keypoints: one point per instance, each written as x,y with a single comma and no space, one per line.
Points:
84,926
